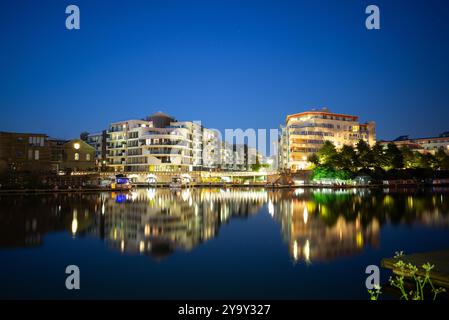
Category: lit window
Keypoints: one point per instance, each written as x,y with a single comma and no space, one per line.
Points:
76,145
77,156
88,157
36,154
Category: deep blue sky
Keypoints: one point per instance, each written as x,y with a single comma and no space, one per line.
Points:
231,64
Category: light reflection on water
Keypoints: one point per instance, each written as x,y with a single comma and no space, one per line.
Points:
316,225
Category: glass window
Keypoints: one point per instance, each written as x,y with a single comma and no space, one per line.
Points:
77,156
36,154
88,157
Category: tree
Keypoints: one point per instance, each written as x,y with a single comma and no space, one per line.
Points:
442,159
378,153
408,157
84,135
313,158
394,156
348,158
328,154
431,160
326,172
364,154
424,160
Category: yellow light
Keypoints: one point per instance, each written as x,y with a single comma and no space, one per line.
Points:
295,250
142,246
76,145
410,202
74,225
306,251
359,239
305,215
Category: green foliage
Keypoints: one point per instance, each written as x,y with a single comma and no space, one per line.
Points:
313,158
442,159
328,155
394,156
406,271
257,166
408,158
326,172
348,158
364,154
380,161
375,293
363,157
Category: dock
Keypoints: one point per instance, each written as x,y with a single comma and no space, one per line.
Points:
439,275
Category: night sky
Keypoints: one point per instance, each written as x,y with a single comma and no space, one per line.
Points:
230,64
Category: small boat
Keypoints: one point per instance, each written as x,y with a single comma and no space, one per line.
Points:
176,183
183,180
121,183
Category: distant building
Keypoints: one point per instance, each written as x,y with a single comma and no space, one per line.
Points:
56,152
241,157
423,145
72,155
304,134
24,152
98,141
226,156
211,149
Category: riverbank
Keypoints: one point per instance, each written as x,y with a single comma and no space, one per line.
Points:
225,186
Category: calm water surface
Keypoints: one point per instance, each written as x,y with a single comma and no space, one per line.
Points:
212,243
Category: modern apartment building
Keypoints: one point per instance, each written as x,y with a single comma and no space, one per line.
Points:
235,157
211,149
304,134
98,141
423,145
227,156
158,143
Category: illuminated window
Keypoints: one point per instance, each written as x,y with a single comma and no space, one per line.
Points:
77,156
76,146
36,154
88,157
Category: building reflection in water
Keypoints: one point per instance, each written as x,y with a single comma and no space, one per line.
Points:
317,225
159,221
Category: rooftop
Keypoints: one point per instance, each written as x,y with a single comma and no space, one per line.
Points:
161,114
323,111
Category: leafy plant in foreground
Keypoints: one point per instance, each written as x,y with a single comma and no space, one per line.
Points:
409,271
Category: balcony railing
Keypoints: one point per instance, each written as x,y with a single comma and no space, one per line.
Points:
115,129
